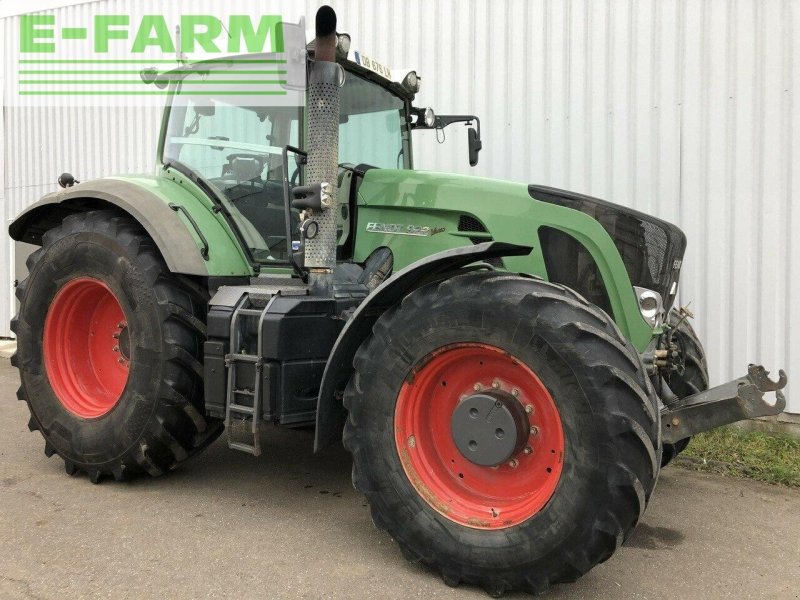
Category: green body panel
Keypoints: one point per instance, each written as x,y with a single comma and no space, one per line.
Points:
226,256
437,200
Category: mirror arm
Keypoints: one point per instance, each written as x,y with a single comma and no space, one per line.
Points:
473,134
443,121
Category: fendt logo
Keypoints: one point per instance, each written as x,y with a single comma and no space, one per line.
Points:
41,34
124,59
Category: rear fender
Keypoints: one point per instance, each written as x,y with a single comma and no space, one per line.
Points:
331,414
181,235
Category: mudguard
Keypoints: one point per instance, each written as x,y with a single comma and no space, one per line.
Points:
191,238
331,414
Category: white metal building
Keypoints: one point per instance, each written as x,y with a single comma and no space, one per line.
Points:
687,109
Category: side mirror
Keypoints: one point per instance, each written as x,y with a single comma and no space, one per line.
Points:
426,119
475,146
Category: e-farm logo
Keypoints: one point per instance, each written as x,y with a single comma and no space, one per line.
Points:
106,56
38,34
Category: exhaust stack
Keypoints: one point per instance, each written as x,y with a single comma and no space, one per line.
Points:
323,153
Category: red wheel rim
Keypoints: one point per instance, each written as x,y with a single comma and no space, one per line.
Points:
464,492
86,347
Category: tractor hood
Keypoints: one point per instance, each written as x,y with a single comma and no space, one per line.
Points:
632,248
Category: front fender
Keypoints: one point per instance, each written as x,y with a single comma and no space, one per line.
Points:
147,200
331,414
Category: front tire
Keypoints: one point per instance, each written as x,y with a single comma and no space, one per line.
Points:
109,345
566,497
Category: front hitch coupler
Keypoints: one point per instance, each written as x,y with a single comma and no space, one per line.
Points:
730,402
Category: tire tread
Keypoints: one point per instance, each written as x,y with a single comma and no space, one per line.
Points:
178,429
630,419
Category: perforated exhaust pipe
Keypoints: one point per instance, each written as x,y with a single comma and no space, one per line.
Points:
323,153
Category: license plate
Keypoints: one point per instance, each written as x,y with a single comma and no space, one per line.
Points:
373,65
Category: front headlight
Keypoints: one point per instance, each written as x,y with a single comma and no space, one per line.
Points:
651,305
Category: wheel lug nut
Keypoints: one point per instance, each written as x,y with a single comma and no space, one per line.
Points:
121,360
115,336
496,384
115,348
513,463
515,393
477,387
534,430
529,408
528,450
122,325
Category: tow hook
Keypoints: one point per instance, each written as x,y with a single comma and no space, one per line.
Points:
733,401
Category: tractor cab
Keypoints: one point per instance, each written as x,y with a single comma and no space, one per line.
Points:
252,154
239,149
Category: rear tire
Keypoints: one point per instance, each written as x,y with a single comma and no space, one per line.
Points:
111,398
606,410
692,380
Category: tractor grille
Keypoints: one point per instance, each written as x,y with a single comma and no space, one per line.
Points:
651,249
569,263
470,224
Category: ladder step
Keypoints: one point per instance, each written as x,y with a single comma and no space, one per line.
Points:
244,448
239,416
242,358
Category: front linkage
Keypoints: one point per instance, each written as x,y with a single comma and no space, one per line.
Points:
730,402
677,365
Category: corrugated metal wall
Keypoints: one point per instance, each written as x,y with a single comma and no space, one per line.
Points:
682,108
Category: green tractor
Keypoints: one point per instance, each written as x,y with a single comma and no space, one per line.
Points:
504,362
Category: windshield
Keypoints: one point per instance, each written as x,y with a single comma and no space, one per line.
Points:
370,124
238,150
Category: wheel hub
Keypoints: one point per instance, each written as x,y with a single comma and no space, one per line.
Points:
489,428
501,480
